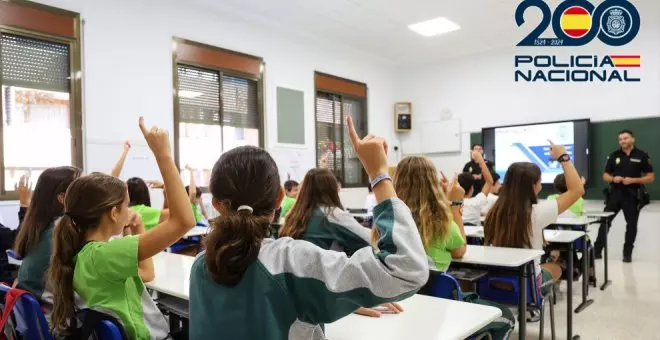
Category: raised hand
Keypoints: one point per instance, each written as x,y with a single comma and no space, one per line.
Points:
456,192
556,150
24,190
158,140
127,146
444,182
371,150
477,157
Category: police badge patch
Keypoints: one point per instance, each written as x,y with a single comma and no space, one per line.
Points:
616,23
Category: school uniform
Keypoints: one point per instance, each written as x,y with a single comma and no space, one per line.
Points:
336,229
32,273
370,202
197,213
150,215
575,210
472,208
294,286
492,198
544,213
287,204
106,279
625,197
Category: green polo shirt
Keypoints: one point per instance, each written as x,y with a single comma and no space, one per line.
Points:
150,216
32,273
577,208
106,277
198,214
440,252
287,204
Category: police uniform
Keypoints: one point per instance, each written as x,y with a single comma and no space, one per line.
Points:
625,197
473,168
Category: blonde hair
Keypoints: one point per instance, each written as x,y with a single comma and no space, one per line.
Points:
416,183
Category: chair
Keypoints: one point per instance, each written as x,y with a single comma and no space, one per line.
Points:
30,319
12,254
100,324
106,330
488,291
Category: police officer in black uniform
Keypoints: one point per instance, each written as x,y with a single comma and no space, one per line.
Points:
473,168
627,170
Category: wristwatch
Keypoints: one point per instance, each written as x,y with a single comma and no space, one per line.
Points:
564,158
456,203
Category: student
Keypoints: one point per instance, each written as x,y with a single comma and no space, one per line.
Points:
293,286
494,191
110,275
518,218
319,217
34,240
291,189
370,202
7,235
560,186
440,226
472,206
195,196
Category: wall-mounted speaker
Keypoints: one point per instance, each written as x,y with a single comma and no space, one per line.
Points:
403,116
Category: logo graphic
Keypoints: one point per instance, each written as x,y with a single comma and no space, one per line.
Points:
618,160
578,22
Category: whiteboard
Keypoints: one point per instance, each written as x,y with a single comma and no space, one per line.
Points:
102,155
429,137
293,163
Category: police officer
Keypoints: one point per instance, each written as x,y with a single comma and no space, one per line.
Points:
627,169
473,168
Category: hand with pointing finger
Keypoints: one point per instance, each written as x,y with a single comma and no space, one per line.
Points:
371,150
556,150
157,139
444,182
456,192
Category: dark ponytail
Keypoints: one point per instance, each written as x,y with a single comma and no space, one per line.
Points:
245,179
86,201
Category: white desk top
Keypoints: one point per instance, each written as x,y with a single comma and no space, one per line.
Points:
498,256
561,236
582,220
598,213
472,231
424,317
197,231
172,274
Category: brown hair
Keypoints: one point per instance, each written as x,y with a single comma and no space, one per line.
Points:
44,206
87,200
244,176
319,189
509,222
416,183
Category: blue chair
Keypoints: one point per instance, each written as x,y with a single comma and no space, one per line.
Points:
445,286
30,319
99,324
107,330
12,254
487,290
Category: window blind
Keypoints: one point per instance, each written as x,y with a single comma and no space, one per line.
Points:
33,63
240,102
199,95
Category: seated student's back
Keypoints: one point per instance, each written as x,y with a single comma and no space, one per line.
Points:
560,186
319,217
247,287
472,206
140,202
34,240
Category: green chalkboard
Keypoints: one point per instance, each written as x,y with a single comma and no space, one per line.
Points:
603,141
290,116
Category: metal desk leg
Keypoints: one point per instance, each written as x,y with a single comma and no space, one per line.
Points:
569,293
522,301
605,221
586,302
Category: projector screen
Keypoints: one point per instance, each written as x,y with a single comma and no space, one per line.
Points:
529,143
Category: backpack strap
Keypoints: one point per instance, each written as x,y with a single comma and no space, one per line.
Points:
12,296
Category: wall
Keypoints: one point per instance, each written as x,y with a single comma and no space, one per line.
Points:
481,91
128,72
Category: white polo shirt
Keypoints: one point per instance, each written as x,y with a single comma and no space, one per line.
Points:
472,209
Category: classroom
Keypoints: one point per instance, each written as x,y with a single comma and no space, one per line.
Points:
347,169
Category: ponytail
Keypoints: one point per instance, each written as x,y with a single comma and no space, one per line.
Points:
67,242
234,244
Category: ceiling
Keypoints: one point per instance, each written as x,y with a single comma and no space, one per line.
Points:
380,27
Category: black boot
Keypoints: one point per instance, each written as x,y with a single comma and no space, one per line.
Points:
627,258
627,253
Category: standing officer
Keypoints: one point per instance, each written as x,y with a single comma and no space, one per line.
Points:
473,168
627,169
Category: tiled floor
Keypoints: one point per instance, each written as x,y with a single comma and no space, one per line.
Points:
630,307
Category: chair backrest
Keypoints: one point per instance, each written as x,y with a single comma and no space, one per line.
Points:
12,254
99,324
30,319
444,286
487,290
106,330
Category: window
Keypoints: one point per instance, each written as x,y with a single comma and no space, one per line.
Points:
337,98
40,85
218,106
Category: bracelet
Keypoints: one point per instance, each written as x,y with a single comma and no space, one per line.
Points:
456,203
379,178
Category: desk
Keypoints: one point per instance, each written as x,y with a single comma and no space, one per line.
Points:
424,317
516,258
581,223
566,238
605,224
197,231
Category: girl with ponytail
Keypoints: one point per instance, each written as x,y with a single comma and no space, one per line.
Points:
34,240
110,275
245,286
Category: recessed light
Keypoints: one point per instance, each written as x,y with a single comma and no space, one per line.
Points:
434,27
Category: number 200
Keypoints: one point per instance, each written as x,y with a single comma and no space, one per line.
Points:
596,28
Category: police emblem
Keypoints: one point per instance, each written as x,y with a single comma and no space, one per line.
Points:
470,169
616,23
618,160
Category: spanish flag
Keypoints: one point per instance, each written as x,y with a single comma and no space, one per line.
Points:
626,60
576,22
